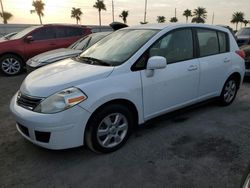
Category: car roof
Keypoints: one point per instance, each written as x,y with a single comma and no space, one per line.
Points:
162,26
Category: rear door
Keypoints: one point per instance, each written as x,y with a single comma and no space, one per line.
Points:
67,35
43,40
215,61
177,84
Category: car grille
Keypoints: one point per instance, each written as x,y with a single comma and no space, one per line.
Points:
28,102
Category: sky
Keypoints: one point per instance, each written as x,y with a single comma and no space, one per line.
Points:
59,11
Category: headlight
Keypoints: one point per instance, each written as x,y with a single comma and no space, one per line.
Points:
61,101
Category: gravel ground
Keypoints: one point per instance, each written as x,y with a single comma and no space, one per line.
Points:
203,146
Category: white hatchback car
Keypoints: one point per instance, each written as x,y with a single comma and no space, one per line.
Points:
127,78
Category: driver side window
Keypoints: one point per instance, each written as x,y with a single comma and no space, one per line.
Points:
175,47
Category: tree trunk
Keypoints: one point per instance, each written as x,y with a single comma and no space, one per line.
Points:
236,26
40,19
100,21
186,19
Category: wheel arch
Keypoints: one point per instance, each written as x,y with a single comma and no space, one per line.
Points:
238,78
124,102
14,53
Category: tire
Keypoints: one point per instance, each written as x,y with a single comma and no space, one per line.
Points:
114,124
229,91
11,64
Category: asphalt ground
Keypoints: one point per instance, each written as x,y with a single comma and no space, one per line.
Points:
204,146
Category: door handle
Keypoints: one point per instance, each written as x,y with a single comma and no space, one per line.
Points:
52,44
192,67
226,60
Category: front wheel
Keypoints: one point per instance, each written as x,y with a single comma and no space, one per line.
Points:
229,91
11,64
108,129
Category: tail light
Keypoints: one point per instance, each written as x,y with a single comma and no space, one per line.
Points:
241,53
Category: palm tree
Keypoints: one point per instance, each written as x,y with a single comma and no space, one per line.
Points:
187,13
6,16
39,8
124,15
246,22
161,19
76,13
99,4
173,19
200,15
237,17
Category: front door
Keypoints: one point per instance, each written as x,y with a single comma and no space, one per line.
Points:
177,84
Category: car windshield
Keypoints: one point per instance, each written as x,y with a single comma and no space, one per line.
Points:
24,32
119,46
83,41
244,31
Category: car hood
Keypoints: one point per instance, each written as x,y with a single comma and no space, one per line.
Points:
67,73
55,55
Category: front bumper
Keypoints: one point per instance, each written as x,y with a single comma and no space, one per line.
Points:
53,131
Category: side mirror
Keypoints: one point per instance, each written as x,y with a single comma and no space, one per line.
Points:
155,62
29,39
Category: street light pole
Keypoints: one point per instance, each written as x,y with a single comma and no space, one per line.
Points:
4,21
113,11
145,13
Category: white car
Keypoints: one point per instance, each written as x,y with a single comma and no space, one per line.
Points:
127,78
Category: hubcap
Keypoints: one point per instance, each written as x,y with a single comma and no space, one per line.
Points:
112,130
230,91
11,66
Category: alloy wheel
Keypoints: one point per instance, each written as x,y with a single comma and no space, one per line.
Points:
112,130
11,66
230,91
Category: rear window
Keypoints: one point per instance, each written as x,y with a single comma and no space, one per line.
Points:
64,32
211,42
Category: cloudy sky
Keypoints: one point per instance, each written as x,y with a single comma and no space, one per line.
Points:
58,11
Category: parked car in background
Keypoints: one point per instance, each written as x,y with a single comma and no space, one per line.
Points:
62,53
246,49
230,29
243,36
125,79
16,50
7,36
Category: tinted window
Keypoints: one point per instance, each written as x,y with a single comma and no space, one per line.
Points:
175,46
222,42
60,32
71,31
43,34
208,42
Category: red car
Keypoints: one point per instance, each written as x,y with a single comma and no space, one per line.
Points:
16,50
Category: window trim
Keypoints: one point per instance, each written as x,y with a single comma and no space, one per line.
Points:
146,52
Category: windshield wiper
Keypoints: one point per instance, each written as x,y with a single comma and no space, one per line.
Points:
94,61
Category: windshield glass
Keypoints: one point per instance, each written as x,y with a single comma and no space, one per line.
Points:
24,32
119,46
245,31
82,41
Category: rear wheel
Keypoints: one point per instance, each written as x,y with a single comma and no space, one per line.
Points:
108,129
11,64
229,91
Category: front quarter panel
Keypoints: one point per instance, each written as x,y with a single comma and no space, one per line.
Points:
125,85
